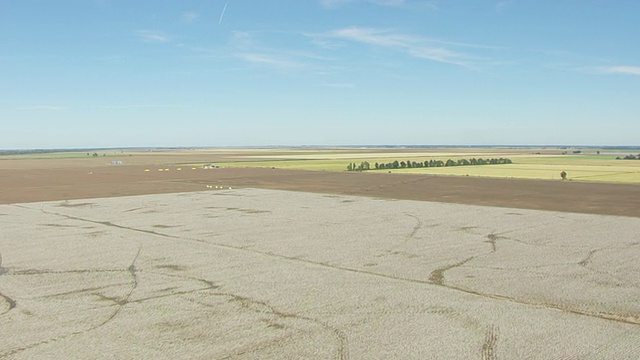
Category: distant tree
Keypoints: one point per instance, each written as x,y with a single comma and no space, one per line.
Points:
395,164
349,167
377,166
450,163
95,154
563,175
403,164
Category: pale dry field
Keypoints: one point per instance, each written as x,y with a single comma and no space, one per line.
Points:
265,274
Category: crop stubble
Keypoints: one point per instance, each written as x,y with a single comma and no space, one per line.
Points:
258,273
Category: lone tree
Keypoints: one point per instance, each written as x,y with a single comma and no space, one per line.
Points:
563,175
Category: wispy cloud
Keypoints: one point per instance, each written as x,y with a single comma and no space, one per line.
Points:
340,85
503,5
337,3
620,69
270,60
253,48
242,39
427,4
140,106
224,10
416,46
113,58
190,16
42,108
153,36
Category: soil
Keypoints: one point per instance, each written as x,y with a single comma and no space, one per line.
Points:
27,184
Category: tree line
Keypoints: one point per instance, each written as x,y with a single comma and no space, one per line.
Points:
629,157
365,165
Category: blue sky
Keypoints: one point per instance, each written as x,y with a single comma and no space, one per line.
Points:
109,73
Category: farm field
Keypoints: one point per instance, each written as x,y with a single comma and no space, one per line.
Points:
523,168
271,274
598,168
528,163
126,261
604,173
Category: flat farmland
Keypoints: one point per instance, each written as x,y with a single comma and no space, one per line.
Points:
160,258
600,168
529,163
250,273
26,178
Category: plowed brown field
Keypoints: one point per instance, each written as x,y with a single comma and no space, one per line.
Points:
30,183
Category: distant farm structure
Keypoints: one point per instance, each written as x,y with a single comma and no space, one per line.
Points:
210,166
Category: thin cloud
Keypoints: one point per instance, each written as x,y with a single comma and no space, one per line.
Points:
224,10
113,58
621,69
503,5
190,16
43,107
140,106
152,36
389,2
254,49
269,60
242,39
332,4
338,3
424,48
340,85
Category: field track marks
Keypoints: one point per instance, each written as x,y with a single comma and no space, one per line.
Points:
409,237
119,303
437,276
490,343
342,351
11,303
495,297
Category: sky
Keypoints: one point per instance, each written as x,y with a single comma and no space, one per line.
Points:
121,73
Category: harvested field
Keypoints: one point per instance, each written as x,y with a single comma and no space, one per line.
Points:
248,273
285,263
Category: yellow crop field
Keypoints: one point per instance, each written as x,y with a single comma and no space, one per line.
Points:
600,168
531,171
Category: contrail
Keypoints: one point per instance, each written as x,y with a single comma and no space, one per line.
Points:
223,11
